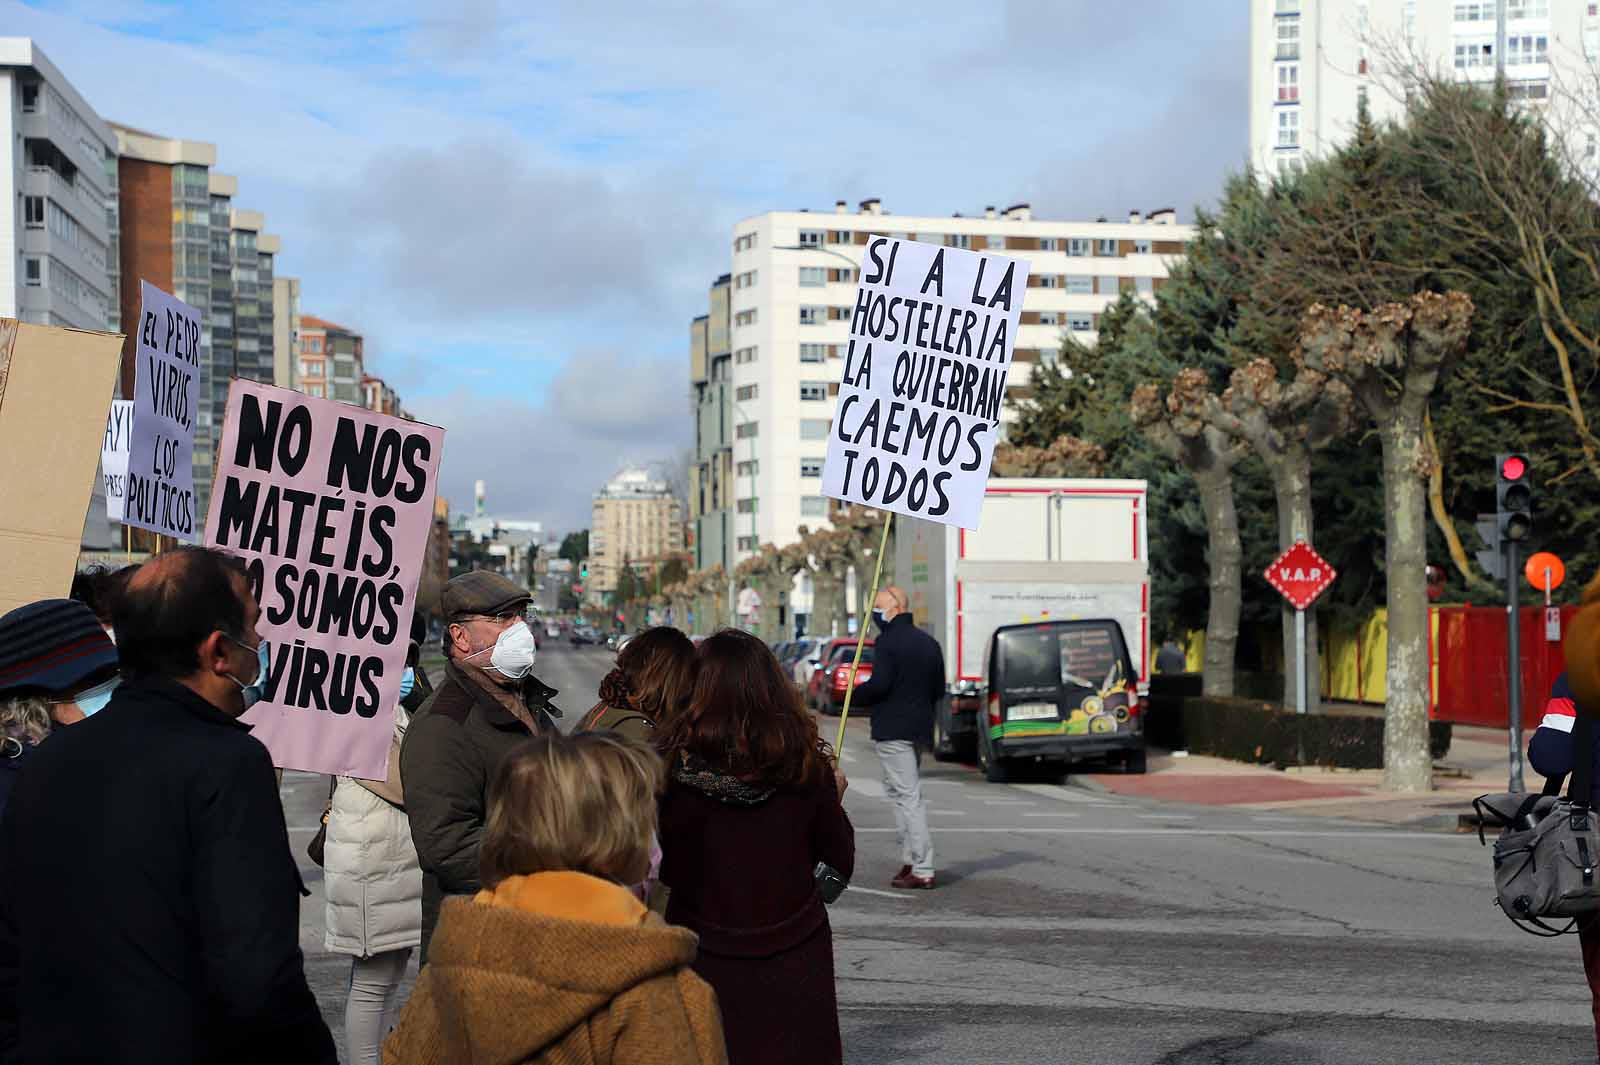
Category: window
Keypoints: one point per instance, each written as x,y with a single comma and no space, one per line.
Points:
1527,49
746,430
1077,245
1516,9
813,353
745,280
813,507
1289,128
314,390
745,317
810,315
748,468
1288,82
814,428
1141,247
1047,281
745,392
744,355
1049,244
32,273
747,506
1105,247
1528,90
316,345
810,390
1288,7
1289,38
813,276
33,212
811,238
1049,318
811,467
960,240
1080,323
1145,286
747,543
1475,11
30,98
1591,40
1474,54
1107,284
744,243
1080,286
840,236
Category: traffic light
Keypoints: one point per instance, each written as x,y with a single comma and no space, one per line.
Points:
583,571
1513,497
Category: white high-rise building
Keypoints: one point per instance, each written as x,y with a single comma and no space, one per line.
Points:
1310,61
57,246
793,287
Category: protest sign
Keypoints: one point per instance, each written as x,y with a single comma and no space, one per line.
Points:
114,455
925,372
54,387
159,492
330,506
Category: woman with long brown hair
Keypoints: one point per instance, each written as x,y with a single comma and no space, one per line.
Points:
654,674
752,805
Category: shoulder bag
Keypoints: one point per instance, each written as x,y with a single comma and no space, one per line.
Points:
1545,860
315,849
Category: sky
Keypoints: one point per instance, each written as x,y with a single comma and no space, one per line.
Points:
521,205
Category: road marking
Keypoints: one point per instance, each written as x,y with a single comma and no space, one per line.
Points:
847,754
1076,796
1053,815
1166,817
949,813
874,891
1008,802
873,789
1243,833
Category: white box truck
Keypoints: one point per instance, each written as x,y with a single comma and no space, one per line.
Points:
1046,551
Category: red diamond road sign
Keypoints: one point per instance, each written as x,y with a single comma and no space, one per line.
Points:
1300,575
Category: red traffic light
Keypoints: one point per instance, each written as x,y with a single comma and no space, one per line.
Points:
1513,467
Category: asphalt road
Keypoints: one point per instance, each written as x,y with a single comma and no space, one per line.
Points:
1072,926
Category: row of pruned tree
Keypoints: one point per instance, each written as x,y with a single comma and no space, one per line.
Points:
1337,359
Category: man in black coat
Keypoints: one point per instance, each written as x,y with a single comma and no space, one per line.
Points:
906,686
149,906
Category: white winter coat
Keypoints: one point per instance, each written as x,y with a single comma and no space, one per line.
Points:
373,881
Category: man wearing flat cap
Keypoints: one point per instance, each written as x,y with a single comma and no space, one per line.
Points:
487,703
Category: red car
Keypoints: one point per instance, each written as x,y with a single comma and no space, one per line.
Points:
826,691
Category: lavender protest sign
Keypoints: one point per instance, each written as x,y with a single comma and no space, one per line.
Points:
329,506
931,341
159,486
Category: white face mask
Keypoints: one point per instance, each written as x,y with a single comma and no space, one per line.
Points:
513,652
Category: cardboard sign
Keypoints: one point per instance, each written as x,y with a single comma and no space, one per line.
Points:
55,385
114,455
166,397
931,342
330,507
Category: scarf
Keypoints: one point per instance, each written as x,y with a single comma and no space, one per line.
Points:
695,772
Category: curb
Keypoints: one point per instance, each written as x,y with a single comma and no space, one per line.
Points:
1087,783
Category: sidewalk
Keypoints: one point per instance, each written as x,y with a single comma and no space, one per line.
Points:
1476,764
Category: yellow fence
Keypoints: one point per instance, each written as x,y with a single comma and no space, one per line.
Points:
1355,658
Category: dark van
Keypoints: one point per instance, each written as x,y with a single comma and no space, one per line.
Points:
1060,692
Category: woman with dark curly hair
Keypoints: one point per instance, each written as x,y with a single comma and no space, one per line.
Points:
654,674
752,805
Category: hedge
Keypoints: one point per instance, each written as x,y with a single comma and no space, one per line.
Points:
1247,730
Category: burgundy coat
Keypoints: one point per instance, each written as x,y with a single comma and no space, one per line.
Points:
739,864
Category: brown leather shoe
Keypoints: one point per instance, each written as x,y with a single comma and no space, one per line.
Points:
905,871
912,882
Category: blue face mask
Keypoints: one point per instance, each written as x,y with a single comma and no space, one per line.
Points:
91,702
408,681
252,693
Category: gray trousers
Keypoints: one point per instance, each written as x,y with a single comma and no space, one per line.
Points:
903,787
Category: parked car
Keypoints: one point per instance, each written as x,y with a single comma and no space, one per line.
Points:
827,656
582,635
798,663
1060,692
553,631
838,679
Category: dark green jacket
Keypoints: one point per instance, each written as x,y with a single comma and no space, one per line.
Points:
452,748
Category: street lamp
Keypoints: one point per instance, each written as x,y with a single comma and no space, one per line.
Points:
818,248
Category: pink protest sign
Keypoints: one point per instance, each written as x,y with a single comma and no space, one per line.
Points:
329,505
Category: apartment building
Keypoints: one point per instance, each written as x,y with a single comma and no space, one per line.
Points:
377,395
793,291
636,520
1312,60
330,360
180,230
59,240
286,332
711,478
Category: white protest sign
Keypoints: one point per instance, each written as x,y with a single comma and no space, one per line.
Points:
114,455
931,341
330,507
159,492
